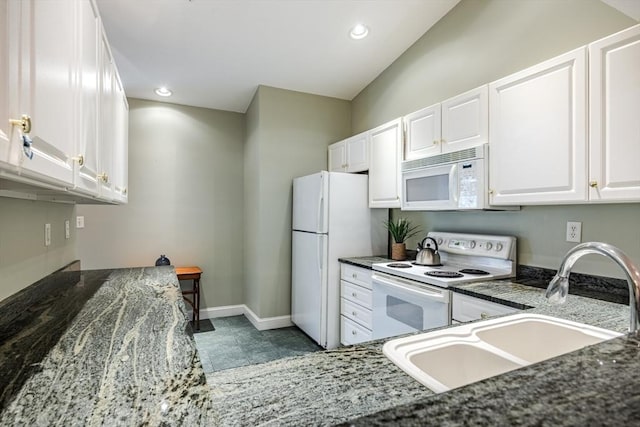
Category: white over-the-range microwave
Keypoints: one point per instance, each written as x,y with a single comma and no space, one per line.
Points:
451,181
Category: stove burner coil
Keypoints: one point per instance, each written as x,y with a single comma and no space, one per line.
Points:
473,271
398,265
444,274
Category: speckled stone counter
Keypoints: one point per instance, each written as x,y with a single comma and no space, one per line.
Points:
358,385
126,358
365,262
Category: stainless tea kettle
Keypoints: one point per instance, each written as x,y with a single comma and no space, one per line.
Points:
426,255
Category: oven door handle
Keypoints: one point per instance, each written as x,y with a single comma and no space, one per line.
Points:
397,283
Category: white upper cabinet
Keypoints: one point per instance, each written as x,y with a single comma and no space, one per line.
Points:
5,127
455,124
614,117
350,155
384,165
106,126
43,74
465,120
423,133
121,145
59,77
338,157
86,175
538,133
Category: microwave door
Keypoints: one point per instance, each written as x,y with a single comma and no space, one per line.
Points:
430,188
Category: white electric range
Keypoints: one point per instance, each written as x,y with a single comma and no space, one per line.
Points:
409,297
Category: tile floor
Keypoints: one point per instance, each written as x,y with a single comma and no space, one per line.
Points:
236,342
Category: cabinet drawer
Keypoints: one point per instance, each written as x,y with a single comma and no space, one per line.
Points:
356,294
358,275
466,308
355,312
352,333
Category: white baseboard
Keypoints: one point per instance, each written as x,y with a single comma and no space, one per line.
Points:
269,322
236,310
223,311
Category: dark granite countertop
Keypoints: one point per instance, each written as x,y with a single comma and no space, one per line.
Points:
126,357
358,385
120,353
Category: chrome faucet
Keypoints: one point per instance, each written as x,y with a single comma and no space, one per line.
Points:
559,285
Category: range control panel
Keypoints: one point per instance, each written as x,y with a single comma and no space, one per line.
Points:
502,247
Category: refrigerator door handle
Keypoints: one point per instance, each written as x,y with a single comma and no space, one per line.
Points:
321,206
320,255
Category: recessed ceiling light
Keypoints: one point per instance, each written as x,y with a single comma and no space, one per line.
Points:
359,31
163,91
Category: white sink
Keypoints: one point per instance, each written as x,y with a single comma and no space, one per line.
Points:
450,358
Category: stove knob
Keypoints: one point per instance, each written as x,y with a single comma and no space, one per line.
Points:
499,247
488,246
472,244
440,241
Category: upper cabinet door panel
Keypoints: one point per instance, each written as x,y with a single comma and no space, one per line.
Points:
337,157
87,149
384,166
46,78
5,128
465,120
538,133
357,149
614,84
423,129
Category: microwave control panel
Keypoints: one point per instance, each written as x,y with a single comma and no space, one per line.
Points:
470,185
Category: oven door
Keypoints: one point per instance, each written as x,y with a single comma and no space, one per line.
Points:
430,188
403,306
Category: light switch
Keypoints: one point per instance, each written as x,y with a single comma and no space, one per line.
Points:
79,222
67,231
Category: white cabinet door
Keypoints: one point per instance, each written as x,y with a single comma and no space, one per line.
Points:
338,157
465,120
538,133
423,133
86,175
107,133
5,127
42,51
121,145
384,165
350,155
357,150
614,120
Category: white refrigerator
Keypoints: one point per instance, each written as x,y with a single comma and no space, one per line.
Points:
331,220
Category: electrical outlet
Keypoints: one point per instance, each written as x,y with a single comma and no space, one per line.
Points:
67,231
79,222
47,234
574,231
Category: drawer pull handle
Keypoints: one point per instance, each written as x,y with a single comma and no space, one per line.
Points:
354,275
354,313
353,332
353,294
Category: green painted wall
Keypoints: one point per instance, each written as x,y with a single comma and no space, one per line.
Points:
24,259
480,41
287,136
185,199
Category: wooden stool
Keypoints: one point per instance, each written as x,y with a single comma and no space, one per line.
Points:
192,273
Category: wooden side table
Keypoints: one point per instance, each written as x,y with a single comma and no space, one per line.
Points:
191,273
